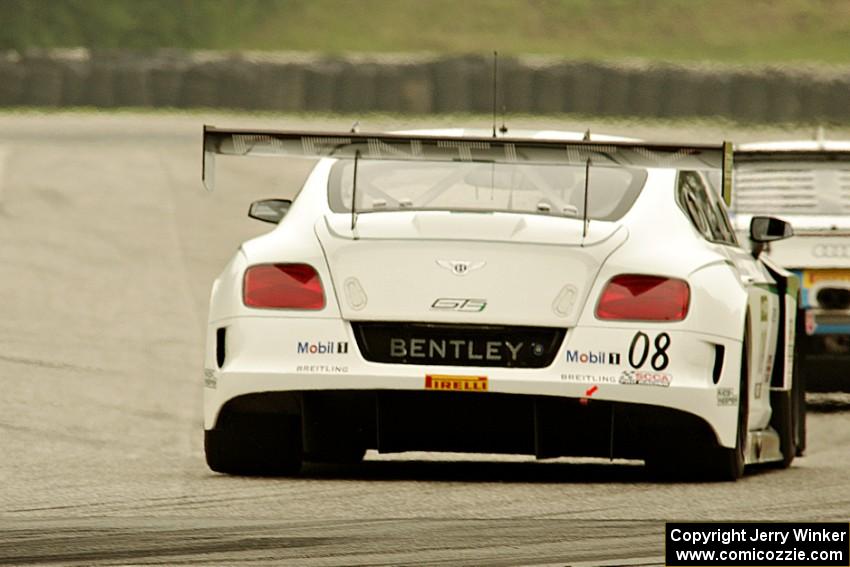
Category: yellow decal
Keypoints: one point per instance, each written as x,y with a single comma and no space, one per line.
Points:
456,383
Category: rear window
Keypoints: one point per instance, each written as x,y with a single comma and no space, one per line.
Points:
792,188
388,185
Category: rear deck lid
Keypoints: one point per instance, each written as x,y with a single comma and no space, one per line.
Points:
465,268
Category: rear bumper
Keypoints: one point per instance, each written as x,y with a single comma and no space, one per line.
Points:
394,421
826,322
825,299
584,389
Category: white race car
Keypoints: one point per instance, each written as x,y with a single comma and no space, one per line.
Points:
522,295
806,183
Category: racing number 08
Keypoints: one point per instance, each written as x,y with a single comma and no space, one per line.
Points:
640,349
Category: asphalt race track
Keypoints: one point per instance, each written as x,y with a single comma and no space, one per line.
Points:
108,246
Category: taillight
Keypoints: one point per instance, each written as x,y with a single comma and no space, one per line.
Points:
283,286
633,297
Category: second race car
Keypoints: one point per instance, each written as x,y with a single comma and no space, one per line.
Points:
806,183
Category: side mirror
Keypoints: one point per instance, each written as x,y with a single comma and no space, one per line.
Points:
269,210
768,229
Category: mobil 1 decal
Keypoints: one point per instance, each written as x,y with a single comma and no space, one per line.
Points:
322,347
654,350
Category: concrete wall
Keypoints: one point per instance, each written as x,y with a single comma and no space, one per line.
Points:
421,84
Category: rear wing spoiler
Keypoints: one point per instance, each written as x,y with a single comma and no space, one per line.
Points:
342,145
744,157
772,159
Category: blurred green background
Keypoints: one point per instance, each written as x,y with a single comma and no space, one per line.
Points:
675,30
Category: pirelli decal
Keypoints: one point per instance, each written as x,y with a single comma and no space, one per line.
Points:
456,383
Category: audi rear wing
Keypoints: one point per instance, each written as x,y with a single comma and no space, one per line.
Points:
747,157
384,146
802,178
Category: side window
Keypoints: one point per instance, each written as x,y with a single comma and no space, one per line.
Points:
704,208
691,196
721,212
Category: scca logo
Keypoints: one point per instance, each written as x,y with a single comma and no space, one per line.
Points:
642,378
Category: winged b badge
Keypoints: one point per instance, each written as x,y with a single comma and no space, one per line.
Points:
460,267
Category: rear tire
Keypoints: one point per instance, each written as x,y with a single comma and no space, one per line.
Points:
708,460
723,463
799,405
798,391
789,407
255,444
726,464
784,422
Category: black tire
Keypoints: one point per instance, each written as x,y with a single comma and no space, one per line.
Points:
707,460
783,420
728,464
799,405
722,463
255,444
798,391
788,408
